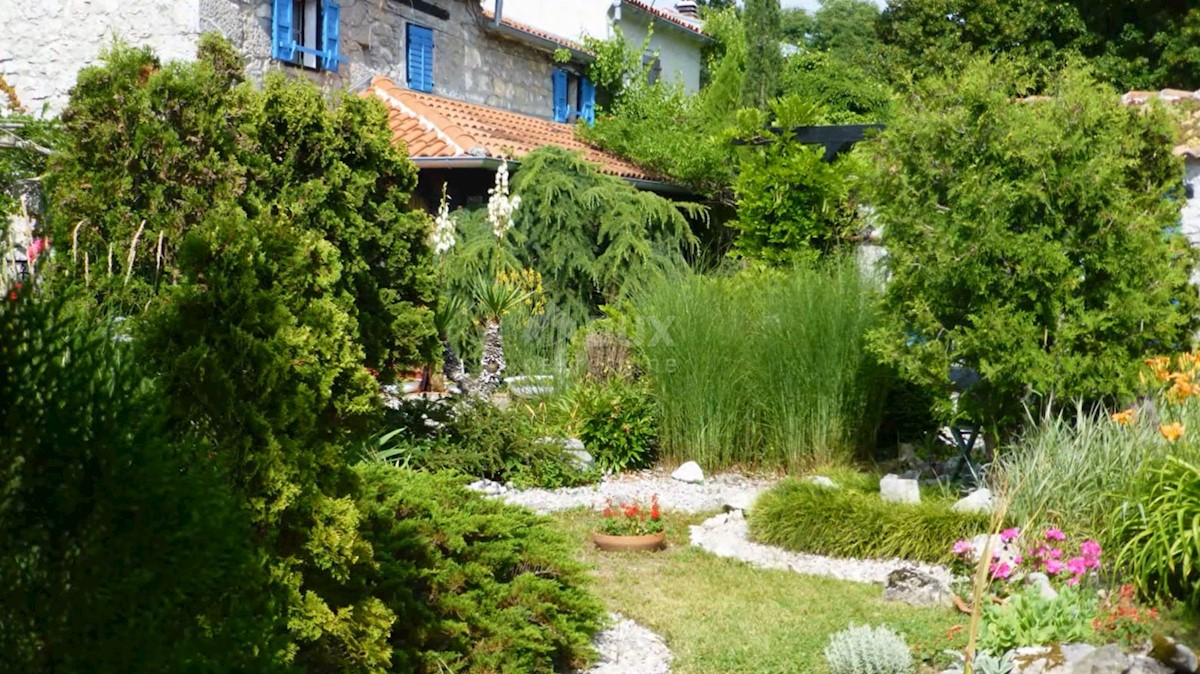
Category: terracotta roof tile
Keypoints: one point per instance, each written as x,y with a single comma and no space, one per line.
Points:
538,32
667,15
433,126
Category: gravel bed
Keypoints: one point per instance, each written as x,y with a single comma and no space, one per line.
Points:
712,494
628,648
727,536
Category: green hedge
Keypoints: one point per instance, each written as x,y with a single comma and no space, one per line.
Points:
845,522
477,586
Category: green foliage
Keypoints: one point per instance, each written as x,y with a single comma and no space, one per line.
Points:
593,238
151,149
479,440
1028,619
765,368
860,649
1075,468
616,423
1033,241
842,522
122,550
792,205
480,586
1159,532
256,360
764,58
846,93
31,137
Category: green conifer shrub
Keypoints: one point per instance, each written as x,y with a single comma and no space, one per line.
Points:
490,587
123,550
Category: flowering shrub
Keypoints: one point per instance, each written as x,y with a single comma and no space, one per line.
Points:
631,519
1012,563
1119,617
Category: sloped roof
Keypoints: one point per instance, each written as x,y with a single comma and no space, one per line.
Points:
1185,106
537,32
668,15
436,127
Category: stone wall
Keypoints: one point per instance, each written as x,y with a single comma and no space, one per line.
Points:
470,63
44,43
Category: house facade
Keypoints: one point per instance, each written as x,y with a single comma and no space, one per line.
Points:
674,50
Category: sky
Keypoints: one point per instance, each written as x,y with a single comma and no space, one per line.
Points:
811,5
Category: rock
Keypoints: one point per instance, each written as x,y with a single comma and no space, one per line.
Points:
1109,659
689,472
1060,659
740,501
1179,658
978,501
908,455
822,481
1042,582
583,461
894,489
917,589
1146,665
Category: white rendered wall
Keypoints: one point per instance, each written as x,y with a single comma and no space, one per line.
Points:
678,51
44,43
571,19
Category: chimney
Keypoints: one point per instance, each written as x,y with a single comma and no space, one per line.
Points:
688,8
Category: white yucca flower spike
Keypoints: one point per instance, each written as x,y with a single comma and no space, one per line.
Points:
501,207
443,227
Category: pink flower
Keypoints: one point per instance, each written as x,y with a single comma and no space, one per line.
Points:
1018,559
1054,567
1073,580
1077,565
1055,535
1090,549
1054,553
962,548
1001,570
36,247
1009,534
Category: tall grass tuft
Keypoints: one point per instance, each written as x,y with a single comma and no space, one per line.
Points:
762,368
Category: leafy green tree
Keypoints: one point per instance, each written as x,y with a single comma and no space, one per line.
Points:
846,29
149,149
792,206
796,26
123,550
764,59
1034,241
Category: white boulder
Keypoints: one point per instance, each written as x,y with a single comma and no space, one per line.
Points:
689,472
895,489
978,501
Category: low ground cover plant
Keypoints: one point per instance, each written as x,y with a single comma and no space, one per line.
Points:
861,649
843,522
479,586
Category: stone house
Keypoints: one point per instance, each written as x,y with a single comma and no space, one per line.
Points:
1185,106
673,52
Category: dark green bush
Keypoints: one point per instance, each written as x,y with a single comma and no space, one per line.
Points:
480,440
122,551
480,587
617,424
844,522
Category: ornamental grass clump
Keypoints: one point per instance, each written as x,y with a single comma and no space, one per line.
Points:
631,519
860,649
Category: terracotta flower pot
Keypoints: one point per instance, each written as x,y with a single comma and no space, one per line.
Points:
611,543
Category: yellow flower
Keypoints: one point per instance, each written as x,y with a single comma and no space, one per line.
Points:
1171,432
1125,417
1181,390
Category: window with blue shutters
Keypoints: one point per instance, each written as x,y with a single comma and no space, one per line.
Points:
420,57
562,100
587,101
306,33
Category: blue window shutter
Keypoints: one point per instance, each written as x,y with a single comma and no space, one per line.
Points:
562,106
329,32
587,93
283,46
420,58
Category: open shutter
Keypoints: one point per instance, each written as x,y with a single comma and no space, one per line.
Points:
329,33
420,58
283,45
587,96
562,104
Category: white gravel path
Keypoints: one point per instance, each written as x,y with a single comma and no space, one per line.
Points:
673,495
727,536
629,648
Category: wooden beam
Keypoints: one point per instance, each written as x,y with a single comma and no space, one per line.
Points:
427,7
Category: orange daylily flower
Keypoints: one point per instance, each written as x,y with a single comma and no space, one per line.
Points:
1125,417
1171,432
1182,389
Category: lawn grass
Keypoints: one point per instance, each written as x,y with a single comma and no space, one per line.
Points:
720,616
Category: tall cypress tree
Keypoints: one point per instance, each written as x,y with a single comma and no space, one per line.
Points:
763,25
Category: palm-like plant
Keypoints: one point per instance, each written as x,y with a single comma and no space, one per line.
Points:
495,299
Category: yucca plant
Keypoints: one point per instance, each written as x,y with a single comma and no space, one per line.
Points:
495,300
